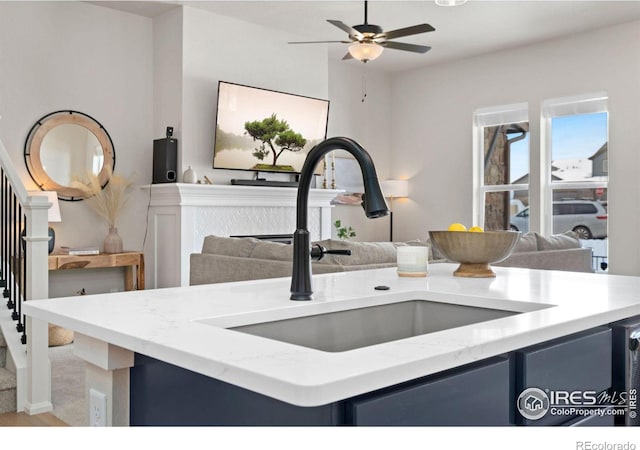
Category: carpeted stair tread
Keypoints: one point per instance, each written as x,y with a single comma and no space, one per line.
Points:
7,380
7,391
3,350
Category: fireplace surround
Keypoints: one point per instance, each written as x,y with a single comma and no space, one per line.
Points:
181,215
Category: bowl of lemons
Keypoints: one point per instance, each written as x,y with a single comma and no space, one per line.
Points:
474,249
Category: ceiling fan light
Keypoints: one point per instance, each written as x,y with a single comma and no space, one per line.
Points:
365,51
450,2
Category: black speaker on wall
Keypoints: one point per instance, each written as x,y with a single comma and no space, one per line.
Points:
165,160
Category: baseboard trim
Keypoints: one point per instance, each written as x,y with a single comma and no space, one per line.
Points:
37,408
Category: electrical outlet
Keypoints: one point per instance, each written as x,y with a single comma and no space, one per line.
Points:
97,409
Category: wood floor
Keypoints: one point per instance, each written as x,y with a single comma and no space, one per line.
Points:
24,420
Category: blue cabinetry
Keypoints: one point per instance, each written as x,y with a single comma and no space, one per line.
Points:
163,394
479,394
573,364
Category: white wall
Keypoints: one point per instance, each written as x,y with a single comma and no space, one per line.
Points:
431,125
186,95
221,48
73,55
167,73
368,123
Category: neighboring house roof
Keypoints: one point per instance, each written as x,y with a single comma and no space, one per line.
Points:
572,169
601,150
524,179
575,170
569,170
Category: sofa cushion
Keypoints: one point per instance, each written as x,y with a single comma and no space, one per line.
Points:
571,259
273,250
528,242
361,252
229,246
558,241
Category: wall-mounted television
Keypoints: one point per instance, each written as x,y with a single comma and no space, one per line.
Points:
266,131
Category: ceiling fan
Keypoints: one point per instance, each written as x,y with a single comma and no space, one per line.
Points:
368,40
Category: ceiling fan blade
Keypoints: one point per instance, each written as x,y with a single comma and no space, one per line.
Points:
319,42
406,47
347,56
401,32
344,27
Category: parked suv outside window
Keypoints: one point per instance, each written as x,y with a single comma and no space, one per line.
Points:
586,217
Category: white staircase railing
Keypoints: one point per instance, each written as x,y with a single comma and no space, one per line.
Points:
25,275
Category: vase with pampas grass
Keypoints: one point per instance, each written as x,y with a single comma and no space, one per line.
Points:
108,203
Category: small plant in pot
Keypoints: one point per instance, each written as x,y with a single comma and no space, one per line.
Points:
344,232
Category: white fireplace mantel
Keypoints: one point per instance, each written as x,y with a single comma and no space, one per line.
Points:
181,215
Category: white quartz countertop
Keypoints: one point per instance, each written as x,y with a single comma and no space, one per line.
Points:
166,324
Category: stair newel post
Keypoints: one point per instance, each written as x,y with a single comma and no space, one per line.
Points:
38,394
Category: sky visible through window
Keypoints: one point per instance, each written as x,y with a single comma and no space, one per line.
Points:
573,137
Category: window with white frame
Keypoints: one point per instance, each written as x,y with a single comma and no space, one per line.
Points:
576,175
501,165
573,170
576,148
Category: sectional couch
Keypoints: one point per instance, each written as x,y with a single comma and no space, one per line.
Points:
237,259
226,259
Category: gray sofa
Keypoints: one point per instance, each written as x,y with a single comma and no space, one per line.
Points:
226,259
237,259
557,252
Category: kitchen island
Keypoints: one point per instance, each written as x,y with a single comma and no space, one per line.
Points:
141,344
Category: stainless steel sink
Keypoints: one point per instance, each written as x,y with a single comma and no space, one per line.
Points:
361,327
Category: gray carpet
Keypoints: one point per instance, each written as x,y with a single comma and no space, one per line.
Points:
68,386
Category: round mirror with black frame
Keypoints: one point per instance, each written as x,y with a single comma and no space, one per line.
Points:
63,147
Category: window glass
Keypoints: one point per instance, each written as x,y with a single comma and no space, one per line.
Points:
579,150
584,208
506,154
506,210
585,213
579,179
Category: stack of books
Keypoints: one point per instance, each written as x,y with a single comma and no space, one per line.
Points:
79,251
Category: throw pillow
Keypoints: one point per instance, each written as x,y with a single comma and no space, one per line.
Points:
227,246
273,250
528,243
558,241
361,252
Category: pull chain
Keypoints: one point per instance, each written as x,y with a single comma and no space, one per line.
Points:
364,84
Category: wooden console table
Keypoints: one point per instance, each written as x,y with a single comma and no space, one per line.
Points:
133,262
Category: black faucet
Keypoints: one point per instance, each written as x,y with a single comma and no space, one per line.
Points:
372,201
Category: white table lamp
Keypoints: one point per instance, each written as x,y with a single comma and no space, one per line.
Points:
394,189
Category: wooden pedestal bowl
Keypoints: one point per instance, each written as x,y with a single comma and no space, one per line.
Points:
475,252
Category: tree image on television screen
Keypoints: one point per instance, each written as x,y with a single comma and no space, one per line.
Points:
276,137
